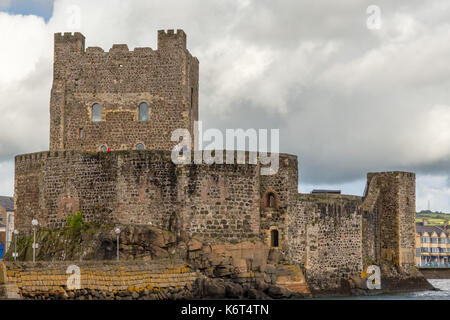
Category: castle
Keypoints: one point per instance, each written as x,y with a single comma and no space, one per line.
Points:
128,103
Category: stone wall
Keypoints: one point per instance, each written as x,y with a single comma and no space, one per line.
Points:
335,237
389,204
221,202
325,239
105,278
283,187
119,80
332,237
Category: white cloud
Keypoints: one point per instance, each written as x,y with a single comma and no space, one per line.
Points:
4,4
433,188
25,82
7,178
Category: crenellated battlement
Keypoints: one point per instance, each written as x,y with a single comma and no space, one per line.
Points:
172,33
171,39
69,36
44,155
119,48
67,44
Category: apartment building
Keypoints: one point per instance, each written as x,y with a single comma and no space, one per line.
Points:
6,223
432,245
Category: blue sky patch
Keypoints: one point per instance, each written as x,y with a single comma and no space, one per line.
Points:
43,8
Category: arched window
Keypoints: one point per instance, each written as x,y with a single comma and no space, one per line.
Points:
140,146
274,238
271,200
96,112
143,111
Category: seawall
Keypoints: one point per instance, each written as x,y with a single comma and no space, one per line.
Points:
437,273
97,279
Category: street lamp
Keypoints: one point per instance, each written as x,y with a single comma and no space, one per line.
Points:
15,254
117,231
34,224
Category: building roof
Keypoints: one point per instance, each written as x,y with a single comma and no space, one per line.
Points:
428,229
7,203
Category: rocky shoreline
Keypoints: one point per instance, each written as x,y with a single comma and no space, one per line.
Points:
245,270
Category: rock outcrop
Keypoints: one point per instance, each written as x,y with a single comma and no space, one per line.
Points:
247,269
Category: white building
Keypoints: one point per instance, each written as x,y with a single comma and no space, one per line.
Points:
6,221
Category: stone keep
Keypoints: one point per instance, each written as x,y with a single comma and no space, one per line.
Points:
119,81
331,237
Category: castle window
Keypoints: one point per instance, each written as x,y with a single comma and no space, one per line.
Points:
143,111
140,146
274,238
270,200
192,97
96,112
80,133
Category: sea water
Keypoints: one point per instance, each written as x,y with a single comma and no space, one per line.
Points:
442,294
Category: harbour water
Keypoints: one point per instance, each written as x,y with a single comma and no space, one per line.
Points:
442,294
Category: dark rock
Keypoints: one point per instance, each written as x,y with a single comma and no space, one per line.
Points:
233,290
277,292
261,285
215,290
252,294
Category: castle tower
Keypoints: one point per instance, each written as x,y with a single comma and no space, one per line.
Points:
122,99
396,210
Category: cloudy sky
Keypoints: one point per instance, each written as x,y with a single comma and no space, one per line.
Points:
348,97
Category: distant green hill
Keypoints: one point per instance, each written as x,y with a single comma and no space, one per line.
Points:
434,218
